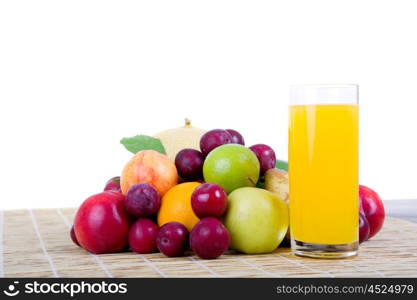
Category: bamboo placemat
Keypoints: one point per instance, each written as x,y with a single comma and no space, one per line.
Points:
36,243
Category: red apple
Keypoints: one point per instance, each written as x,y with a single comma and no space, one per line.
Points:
73,237
102,224
372,207
363,228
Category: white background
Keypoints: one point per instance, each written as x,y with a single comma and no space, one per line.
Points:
76,76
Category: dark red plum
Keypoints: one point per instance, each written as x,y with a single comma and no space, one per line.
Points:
213,139
142,200
142,236
237,138
189,163
172,239
266,157
113,184
209,200
209,238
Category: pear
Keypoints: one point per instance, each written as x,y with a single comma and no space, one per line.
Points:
276,181
176,139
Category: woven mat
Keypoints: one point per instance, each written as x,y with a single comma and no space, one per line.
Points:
36,243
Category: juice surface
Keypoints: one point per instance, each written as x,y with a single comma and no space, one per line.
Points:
323,173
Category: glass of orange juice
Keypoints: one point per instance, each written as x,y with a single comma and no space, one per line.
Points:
323,170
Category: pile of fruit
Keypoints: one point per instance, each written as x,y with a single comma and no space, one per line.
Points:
200,190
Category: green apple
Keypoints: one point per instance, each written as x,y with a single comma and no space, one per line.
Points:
231,166
256,219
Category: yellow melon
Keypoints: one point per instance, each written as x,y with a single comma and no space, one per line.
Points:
176,139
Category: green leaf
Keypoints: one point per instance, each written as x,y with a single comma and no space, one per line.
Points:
142,142
260,185
282,165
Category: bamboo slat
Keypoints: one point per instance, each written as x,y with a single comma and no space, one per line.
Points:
36,243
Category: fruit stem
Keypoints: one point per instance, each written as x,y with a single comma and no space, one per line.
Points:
250,179
187,122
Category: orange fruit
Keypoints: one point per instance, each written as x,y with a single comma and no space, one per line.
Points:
151,167
176,206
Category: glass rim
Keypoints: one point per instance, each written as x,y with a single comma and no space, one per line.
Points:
326,85
304,94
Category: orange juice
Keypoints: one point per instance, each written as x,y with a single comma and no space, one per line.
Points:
323,173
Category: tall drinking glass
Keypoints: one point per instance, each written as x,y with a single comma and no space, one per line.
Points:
323,170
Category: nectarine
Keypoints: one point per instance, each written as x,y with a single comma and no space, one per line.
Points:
151,167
